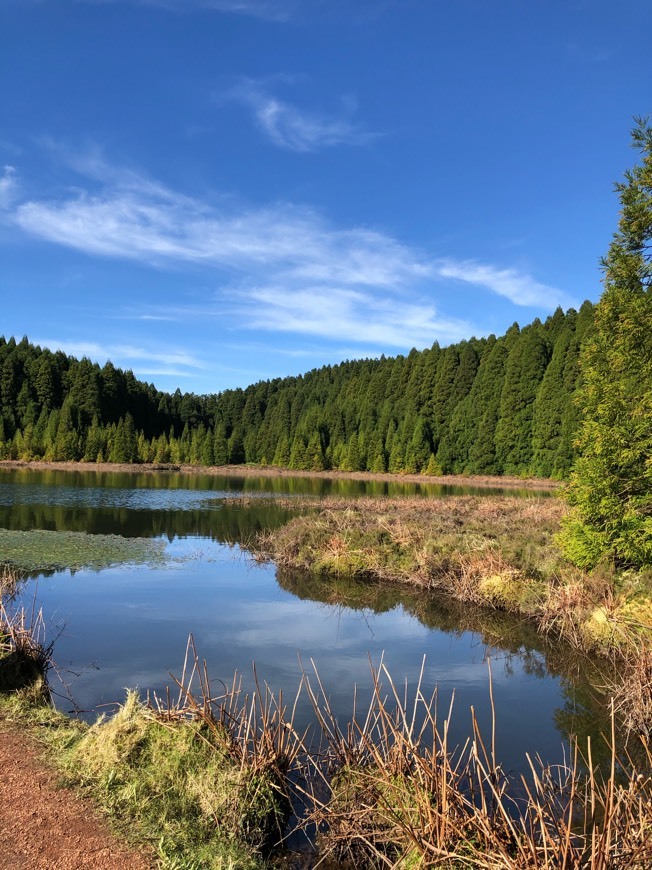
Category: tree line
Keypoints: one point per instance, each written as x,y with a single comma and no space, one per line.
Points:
483,406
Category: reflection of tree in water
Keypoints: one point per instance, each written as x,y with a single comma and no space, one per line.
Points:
274,485
510,640
232,526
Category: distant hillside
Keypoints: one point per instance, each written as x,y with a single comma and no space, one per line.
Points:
483,406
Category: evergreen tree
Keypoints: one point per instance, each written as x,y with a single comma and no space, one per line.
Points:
66,443
611,486
95,442
162,451
45,382
525,368
550,403
281,456
315,454
420,447
298,453
124,444
207,456
220,446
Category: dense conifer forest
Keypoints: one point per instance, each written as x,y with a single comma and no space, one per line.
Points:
483,406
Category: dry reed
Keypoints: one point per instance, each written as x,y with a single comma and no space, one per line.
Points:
393,792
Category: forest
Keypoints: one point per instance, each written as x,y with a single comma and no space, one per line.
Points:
497,405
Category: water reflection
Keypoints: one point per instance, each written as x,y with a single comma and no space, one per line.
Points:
129,626
275,485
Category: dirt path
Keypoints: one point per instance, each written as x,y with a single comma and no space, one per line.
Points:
43,827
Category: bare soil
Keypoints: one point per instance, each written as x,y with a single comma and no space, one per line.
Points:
272,471
44,827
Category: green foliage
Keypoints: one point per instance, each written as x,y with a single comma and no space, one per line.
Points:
476,406
611,485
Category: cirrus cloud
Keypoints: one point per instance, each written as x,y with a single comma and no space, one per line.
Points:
280,268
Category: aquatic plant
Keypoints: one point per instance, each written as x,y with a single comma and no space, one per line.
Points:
41,550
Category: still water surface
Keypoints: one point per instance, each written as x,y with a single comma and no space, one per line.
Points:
128,626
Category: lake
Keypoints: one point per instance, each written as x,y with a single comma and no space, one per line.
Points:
128,626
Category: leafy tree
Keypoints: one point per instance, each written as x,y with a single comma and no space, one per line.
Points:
611,486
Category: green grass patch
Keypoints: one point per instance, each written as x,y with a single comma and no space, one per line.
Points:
43,550
171,785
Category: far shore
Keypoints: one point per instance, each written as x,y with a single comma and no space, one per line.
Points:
482,481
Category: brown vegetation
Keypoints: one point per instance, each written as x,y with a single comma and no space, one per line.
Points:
397,794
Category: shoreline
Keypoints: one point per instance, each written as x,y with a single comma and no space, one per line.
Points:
480,481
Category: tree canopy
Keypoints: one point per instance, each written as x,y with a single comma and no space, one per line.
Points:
611,485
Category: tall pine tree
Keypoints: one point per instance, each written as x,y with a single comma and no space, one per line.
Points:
611,487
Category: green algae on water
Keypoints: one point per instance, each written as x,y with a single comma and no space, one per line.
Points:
41,550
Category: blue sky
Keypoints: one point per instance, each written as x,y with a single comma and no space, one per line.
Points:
215,192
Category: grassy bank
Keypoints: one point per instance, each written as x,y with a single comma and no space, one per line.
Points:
494,551
200,781
497,552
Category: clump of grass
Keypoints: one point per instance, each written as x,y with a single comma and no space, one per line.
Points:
43,550
416,540
24,656
632,693
172,782
10,580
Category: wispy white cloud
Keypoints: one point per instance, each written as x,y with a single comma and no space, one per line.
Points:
8,186
326,311
519,287
280,269
175,361
294,129
135,218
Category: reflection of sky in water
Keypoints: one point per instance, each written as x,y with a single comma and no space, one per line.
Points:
129,627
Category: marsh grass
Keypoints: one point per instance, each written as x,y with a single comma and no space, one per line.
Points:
25,658
394,793
498,552
201,778
632,693
207,779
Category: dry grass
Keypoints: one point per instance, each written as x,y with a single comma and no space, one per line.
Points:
632,693
25,658
10,580
497,552
394,793
257,729
210,778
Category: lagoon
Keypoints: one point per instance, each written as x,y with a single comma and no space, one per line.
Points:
127,625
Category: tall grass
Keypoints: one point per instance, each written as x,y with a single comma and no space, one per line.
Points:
393,792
